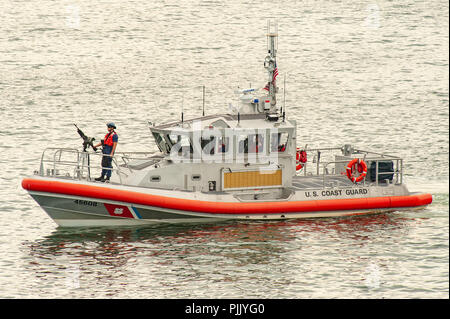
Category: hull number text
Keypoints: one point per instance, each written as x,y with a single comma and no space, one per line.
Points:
85,202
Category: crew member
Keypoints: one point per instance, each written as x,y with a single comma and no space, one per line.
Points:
109,147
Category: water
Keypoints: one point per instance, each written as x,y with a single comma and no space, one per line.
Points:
372,74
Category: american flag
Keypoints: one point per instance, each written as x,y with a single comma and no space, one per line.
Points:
275,74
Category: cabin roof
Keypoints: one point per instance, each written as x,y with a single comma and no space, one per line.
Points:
246,121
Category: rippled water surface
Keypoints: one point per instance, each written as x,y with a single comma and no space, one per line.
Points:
372,74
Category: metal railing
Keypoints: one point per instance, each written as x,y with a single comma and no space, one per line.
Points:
71,163
321,168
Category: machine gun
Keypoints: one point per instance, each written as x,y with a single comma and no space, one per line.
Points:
87,141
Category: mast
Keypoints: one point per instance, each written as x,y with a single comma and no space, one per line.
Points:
270,62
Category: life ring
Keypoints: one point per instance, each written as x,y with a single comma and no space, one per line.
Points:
300,159
361,166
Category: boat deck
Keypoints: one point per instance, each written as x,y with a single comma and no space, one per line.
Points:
311,182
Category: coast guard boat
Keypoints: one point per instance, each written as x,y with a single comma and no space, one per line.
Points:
245,164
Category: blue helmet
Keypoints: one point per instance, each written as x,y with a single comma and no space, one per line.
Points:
111,124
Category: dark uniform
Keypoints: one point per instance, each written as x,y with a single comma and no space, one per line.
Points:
109,141
110,138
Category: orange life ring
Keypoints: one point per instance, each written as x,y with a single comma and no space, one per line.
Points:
300,159
361,167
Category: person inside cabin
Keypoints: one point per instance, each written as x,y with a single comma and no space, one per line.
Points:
278,142
223,145
281,143
109,147
257,144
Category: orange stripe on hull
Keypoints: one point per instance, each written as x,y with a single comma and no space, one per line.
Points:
92,191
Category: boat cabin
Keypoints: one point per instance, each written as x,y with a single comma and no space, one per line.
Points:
225,152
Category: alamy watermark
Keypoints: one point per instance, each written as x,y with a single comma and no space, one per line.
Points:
372,276
224,145
73,276
73,16
373,16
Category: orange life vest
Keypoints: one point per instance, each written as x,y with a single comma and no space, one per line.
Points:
109,139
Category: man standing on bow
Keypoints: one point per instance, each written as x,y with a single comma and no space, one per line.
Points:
109,147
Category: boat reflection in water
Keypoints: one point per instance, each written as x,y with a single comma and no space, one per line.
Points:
235,239
261,259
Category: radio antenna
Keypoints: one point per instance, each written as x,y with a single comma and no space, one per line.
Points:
182,108
284,94
203,100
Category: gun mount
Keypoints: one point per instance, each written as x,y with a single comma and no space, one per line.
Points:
87,141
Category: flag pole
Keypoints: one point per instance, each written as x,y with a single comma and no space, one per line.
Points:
270,62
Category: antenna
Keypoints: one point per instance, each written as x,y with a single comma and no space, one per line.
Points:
284,94
203,100
182,108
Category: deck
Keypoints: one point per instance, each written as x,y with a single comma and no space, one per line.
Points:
314,182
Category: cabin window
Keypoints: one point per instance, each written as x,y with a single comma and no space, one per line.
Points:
243,144
173,138
182,142
220,123
163,147
252,143
278,142
224,144
196,177
208,145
